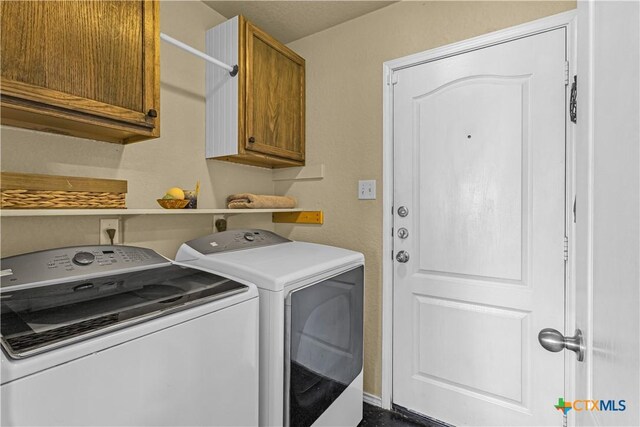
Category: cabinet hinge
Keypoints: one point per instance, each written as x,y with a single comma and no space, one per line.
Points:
573,101
566,73
392,78
566,248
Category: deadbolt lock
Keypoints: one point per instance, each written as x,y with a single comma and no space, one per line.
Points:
403,233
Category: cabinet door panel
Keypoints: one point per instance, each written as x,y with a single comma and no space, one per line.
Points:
100,56
82,60
23,43
275,97
88,49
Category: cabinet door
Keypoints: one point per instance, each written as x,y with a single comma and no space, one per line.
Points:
274,97
88,60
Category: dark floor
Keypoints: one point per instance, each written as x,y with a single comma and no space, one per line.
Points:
374,417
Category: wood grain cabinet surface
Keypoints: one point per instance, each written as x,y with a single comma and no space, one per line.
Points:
257,117
83,68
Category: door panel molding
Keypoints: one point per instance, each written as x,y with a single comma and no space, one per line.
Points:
471,318
565,20
476,146
480,78
490,280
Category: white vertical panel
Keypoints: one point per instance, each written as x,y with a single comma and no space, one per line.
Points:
222,91
607,209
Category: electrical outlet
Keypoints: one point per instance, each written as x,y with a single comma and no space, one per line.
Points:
104,225
367,190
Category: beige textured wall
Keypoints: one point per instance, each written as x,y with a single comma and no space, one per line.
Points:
175,159
344,122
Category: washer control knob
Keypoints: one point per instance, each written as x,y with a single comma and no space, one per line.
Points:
249,237
83,258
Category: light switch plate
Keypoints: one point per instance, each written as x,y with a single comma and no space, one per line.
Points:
367,189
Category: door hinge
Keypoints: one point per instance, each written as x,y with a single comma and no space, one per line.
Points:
392,254
573,101
566,73
566,248
392,78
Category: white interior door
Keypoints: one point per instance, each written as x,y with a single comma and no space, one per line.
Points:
479,163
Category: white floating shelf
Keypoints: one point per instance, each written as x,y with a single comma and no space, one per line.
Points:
128,212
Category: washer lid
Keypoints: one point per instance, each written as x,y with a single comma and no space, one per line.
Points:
41,318
276,266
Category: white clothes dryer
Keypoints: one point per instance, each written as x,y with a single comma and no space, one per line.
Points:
119,335
311,322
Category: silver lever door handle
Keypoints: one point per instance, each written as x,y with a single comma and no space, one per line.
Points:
554,341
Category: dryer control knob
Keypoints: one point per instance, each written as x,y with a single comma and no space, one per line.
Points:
83,258
249,236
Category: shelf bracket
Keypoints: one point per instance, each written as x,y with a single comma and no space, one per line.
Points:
304,217
233,70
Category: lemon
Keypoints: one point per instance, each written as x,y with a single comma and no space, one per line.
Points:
175,193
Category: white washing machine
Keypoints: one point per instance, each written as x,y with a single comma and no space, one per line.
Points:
116,335
311,316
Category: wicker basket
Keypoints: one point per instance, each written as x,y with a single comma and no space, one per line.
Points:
31,191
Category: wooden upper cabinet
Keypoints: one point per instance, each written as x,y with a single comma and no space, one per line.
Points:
82,68
267,126
275,97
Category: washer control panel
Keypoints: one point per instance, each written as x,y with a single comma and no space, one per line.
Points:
233,240
67,263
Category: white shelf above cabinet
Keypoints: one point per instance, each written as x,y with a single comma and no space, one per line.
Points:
9,213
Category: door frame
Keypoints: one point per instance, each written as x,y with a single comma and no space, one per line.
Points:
566,20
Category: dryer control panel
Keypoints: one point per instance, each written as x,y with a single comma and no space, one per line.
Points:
233,240
73,262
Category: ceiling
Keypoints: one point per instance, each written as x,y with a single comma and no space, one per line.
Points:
291,20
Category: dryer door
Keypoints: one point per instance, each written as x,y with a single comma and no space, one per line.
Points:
323,347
